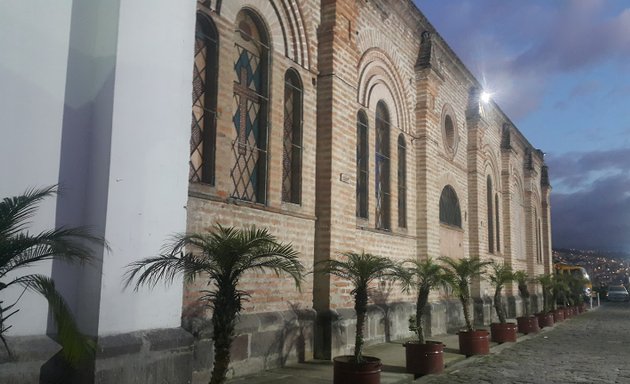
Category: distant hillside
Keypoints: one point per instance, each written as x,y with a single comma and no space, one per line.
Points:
604,267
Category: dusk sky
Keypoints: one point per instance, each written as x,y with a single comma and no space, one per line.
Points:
561,70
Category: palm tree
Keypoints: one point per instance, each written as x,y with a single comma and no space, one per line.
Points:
20,249
361,269
522,279
500,275
221,256
460,273
546,282
424,275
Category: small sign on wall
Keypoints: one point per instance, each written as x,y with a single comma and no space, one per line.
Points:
345,178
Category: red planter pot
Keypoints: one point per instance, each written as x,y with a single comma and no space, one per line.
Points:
567,313
527,324
503,332
345,370
474,342
424,359
558,315
545,319
582,308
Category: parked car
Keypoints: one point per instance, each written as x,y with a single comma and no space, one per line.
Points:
617,293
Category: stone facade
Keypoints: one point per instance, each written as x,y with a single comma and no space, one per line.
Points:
339,125
354,57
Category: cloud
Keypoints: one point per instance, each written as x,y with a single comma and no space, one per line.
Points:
595,218
592,207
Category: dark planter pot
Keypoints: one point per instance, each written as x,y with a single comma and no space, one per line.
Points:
345,370
567,313
474,342
558,315
424,359
582,308
527,324
575,310
503,332
545,319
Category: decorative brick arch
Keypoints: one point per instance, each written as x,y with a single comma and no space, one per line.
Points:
285,22
491,167
379,79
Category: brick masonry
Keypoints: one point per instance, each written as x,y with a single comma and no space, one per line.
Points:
351,54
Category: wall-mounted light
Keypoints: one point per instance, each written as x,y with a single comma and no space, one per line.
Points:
485,97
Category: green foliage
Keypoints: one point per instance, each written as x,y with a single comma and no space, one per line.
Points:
459,274
546,282
222,257
500,274
523,279
360,270
423,276
20,249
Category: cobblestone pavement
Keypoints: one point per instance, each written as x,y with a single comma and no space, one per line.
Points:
590,348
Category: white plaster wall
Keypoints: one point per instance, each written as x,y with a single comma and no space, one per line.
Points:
148,170
34,38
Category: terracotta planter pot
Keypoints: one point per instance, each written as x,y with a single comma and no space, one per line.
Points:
503,332
424,359
558,315
345,370
527,324
474,342
567,313
545,319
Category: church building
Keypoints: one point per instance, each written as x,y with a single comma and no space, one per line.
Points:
338,125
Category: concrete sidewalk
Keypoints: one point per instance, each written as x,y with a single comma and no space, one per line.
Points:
392,355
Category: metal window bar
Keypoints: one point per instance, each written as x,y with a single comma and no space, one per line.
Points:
362,166
489,203
402,182
292,143
382,169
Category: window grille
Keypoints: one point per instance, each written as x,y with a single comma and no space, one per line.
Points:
292,147
204,103
497,221
450,212
382,167
489,203
362,165
249,173
402,182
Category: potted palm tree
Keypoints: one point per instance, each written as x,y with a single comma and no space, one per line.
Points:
360,270
560,290
501,274
460,273
424,357
526,323
222,256
546,317
20,249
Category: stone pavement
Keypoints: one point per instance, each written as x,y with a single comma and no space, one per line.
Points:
590,348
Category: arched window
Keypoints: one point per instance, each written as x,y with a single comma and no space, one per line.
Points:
538,233
382,166
362,165
497,221
249,173
292,153
450,213
402,182
489,203
204,102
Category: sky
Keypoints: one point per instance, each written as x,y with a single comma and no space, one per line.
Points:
561,70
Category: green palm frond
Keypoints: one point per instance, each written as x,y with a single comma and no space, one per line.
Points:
76,346
500,274
15,211
460,272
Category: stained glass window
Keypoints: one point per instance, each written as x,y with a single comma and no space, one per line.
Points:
292,147
489,203
450,213
362,165
382,166
402,182
204,103
249,173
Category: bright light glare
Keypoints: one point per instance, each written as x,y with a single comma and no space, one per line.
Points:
485,96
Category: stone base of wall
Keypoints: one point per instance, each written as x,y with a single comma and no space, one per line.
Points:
28,360
264,341
145,357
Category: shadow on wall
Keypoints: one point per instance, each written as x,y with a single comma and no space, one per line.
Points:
293,338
